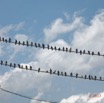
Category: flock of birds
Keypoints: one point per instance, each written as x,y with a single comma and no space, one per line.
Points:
38,45
50,71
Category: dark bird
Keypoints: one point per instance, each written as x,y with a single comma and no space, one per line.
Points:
38,70
6,41
89,52
27,43
59,49
62,73
100,78
84,51
48,47
95,77
6,63
76,50
85,76
1,62
51,47
26,67
58,73
9,40
39,45
30,67
19,42
63,49
54,72
80,52
70,50
55,48
50,71
71,74
35,45
3,39
19,66
43,46
66,49
31,44
23,43
89,77
92,53
65,74
10,64
14,65
76,75
15,42
99,53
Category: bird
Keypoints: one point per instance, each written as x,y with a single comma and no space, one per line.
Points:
55,48
9,40
95,77
38,70
70,50
39,45
54,72
65,74
6,63
48,47
66,49
89,52
1,62
85,76
14,65
19,66
92,53
58,73
100,78
27,43
31,44
80,52
19,42
10,64
84,51
63,49
62,73
30,67
50,71
99,53
76,50
76,75
71,74
26,67
59,49
15,42
23,43
35,45
43,46
5,40
51,47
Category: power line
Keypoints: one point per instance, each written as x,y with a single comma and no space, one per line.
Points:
52,72
27,97
43,46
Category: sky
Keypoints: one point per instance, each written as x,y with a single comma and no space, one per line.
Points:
69,23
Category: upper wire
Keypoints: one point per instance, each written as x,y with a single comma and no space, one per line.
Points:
49,47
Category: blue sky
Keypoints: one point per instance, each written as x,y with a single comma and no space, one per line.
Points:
72,23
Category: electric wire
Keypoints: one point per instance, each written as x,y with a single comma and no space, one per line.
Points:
49,47
27,97
52,72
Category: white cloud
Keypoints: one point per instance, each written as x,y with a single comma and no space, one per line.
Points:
6,29
59,27
85,98
18,80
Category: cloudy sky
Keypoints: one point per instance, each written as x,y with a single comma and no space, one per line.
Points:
70,23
